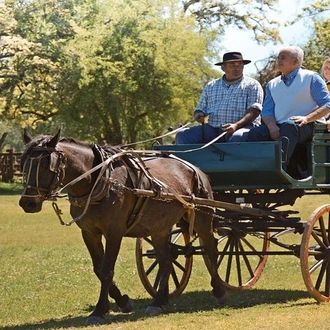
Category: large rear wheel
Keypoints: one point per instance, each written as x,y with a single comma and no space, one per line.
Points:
241,257
315,254
182,260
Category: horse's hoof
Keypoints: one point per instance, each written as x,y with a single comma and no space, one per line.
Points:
128,307
153,310
223,299
95,320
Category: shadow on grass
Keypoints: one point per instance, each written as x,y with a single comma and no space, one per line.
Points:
189,302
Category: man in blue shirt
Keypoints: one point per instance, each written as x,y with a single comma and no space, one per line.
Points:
232,104
294,100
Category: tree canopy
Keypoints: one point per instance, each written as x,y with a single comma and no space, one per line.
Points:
114,71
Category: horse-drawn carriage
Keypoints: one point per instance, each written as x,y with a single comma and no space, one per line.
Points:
249,207
253,193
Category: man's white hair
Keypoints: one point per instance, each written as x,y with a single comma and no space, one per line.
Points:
295,51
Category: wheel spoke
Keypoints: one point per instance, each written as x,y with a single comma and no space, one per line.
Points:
238,264
316,236
151,267
315,267
222,255
175,278
178,265
156,281
320,277
327,281
246,260
175,237
324,232
230,259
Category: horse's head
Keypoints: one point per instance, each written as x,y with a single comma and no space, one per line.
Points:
43,170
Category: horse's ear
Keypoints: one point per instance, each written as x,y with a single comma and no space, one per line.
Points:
26,136
53,142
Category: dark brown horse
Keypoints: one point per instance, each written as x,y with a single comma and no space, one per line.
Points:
100,184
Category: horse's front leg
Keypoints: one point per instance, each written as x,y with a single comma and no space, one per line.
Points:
104,269
93,242
163,253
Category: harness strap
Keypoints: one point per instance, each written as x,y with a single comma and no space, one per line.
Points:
160,184
137,212
103,167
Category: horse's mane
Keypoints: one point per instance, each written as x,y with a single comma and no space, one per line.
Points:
75,141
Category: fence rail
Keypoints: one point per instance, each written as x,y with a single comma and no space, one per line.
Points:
10,165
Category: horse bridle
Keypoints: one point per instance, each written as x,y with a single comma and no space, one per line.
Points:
56,165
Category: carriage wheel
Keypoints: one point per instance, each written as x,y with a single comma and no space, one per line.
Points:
147,263
315,254
241,257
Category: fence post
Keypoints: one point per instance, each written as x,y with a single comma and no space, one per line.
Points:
8,165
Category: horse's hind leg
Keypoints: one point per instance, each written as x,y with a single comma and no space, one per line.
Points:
204,228
163,253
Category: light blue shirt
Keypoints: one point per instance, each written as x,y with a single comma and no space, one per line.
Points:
318,90
225,102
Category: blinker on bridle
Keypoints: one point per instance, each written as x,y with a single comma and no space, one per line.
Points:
56,166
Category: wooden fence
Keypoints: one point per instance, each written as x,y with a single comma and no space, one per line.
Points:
10,167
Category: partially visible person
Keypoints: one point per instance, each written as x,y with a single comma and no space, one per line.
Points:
232,104
294,100
325,72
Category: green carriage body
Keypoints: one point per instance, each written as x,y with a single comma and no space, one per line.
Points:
257,165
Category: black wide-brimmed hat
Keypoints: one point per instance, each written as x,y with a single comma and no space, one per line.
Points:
233,56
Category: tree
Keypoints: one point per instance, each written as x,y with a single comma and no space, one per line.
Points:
28,68
244,14
114,71
317,48
127,78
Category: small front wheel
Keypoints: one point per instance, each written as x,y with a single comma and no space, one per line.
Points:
148,266
315,254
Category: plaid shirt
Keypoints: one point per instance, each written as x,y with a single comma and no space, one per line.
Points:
227,103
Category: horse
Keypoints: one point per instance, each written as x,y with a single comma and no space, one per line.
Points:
100,183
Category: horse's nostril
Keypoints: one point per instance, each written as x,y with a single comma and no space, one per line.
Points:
30,206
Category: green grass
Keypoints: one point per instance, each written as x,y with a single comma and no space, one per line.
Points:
14,188
47,282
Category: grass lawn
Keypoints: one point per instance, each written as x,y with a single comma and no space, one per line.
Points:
47,282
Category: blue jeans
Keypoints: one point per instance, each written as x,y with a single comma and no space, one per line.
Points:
206,133
290,134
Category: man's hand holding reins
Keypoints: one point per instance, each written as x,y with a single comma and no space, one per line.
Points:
230,128
199,116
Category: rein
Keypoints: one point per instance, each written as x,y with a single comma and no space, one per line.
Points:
103,166
57,166
160,136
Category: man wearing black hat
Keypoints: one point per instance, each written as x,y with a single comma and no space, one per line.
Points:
232,104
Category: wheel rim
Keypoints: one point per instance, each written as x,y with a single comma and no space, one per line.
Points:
241,259
315,254
148,267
